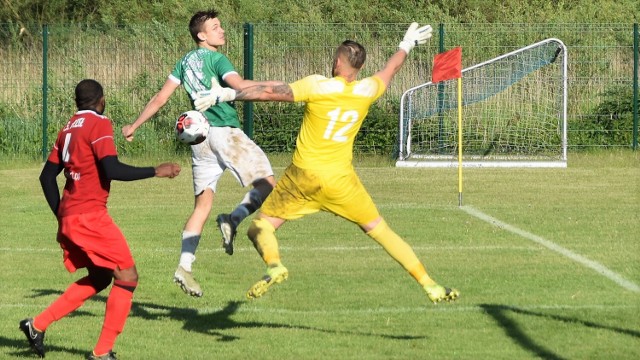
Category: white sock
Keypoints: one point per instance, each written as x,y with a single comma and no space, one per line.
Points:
186,259
190,243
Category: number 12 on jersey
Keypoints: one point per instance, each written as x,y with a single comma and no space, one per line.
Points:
346,119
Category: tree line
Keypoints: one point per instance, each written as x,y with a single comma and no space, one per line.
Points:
171,12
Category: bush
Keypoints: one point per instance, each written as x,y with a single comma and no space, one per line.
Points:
614,116
379,131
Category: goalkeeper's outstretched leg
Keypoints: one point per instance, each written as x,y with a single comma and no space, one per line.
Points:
400,251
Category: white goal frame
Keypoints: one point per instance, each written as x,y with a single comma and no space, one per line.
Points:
407,159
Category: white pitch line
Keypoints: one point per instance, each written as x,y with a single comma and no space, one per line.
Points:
599,268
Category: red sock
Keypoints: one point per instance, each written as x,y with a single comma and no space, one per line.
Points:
117,311
70,300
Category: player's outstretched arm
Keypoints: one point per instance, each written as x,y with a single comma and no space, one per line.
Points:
208,98
202,100
278,92
152,107
115,170
415,35
236,82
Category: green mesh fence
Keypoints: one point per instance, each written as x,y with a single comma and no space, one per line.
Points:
133,61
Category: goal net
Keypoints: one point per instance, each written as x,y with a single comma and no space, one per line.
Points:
514,113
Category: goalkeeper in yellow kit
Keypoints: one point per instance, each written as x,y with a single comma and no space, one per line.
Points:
321,176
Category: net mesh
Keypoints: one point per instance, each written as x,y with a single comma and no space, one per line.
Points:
512,110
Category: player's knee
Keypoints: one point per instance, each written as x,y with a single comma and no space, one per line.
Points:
128,275
377,223
253,231
129,286
265,185
204,201
272,181
258,227
377,229
256,197
100,279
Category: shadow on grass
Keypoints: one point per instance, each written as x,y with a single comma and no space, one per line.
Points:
500,314
20,343
217,322
213,324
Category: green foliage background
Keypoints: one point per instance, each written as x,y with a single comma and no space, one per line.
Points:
153,33
111,12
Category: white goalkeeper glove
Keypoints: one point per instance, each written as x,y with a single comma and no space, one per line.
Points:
415,36
208,98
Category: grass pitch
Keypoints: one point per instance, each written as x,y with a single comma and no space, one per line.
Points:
346,298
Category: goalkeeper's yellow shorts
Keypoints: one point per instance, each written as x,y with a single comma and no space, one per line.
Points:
300,192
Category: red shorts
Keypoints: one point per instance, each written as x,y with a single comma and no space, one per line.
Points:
93,239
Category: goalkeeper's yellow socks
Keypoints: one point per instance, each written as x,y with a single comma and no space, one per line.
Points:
400,251
426,280
263,236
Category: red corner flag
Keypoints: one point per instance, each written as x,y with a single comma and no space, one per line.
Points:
447,65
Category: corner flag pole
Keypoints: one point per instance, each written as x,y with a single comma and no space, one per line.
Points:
459,141
448,66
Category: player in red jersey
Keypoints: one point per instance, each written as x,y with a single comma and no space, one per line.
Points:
86,152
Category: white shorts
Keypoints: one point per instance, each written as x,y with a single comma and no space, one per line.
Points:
227,148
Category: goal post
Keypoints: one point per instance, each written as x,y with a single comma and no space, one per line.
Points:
514,113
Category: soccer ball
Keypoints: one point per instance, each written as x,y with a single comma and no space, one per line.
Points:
191,127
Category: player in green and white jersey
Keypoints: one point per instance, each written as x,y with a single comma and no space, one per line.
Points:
226,146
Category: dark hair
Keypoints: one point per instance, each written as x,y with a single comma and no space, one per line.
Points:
88,94
197,20
353,52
